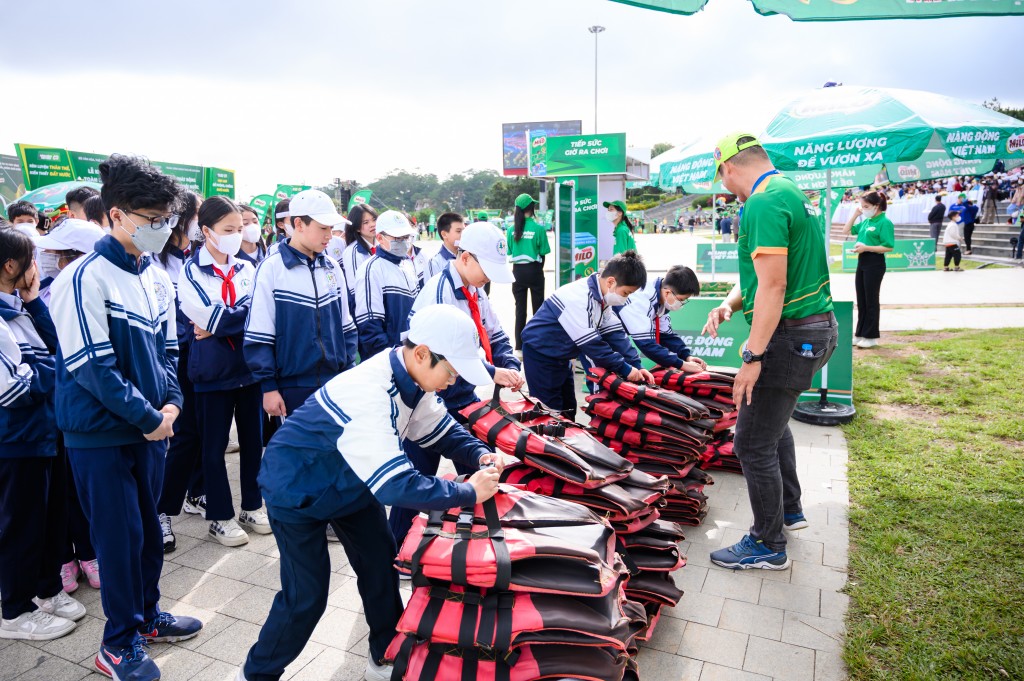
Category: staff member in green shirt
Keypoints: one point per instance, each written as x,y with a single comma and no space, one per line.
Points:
527,246
623,227
785,297
876,236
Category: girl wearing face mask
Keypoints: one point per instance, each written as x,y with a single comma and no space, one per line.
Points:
215,289
68,241
361,240
623,227
875,237
253,249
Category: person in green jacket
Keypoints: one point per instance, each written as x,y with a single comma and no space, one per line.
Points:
623,227
527,246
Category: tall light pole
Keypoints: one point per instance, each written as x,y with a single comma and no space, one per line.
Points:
595,30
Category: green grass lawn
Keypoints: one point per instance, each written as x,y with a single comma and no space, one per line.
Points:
937,508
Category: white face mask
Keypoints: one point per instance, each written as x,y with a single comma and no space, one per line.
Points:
251,233
49,264
868,213
228,244
399,248
674,305
614,299
194,232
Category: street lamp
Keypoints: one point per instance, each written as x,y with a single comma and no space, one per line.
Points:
595,30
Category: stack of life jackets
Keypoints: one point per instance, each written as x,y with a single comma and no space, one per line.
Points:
560,459
520,587
713,389
659,430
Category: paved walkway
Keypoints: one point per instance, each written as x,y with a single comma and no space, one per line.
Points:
732,626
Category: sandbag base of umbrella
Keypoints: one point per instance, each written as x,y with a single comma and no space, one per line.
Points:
520,587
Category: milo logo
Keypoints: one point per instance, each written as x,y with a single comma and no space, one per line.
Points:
909,172
583,255
358,199
1015,143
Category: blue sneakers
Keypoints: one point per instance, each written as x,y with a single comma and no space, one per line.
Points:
750,553
127,664
166,628
794,521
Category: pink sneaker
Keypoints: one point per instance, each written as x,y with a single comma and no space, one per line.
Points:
91,568
69,576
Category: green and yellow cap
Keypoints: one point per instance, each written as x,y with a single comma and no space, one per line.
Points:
729,146
524,201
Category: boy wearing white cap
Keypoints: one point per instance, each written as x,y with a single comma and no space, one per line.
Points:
364,415
66,242
386,286
299,333
481,258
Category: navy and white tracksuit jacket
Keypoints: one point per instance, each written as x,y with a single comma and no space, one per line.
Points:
216,363
299,332
641,315
27,376
175,261
386,287
574,321
117,361
445,288
356,253
439,261
364,415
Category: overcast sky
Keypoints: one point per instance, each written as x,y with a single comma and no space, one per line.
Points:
308,90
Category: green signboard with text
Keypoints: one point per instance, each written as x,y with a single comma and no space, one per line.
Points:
12,178
190,177
44,165
726,350
584,252
908,254
218,182
726,256
578,155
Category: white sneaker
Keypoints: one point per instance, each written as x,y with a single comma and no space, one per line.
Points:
377,672
256,521
36,626
867,343
228,533
61,605
170,542
241,675
857,340
195,505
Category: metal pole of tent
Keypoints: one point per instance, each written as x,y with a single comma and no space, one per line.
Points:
713,250
828,251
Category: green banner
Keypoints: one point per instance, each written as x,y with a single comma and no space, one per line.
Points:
188,176
816,180
287,191
726,350
218,182
908,255
12,179
261,203
360,197
565,206
584,252
578,155
86,165
849,10
44,165
726,255
936,163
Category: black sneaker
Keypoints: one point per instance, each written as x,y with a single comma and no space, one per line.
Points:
170,543
196,505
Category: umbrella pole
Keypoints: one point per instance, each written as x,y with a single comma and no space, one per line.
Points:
714,213
823,412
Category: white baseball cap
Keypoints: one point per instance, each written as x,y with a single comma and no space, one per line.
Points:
487,243
451,333
393,223
317,205
71,235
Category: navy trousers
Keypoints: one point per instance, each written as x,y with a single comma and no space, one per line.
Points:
214,412
118,487
305,579
426,461
33,522
78,545
183,467
551,381
295,397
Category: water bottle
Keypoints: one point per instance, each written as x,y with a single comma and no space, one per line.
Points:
806,350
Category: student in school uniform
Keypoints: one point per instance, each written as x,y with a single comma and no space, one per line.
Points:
361,240
578,320
215,289
117,399
481,258
33,495
339,459
253,249
645,316
299,333
386,286
282,225
449,226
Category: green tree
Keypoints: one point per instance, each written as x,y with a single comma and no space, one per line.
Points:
464,191
403,190
996,105
661,148
503,193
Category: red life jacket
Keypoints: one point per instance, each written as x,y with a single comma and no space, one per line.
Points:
656,587
607,430
518,541
653,397
719,454
647,420
545,441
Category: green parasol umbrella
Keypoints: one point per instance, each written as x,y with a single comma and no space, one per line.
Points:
51,197
851,10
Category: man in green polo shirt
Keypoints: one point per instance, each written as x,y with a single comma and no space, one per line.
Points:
785,297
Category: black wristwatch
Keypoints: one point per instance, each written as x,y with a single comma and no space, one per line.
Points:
750,358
